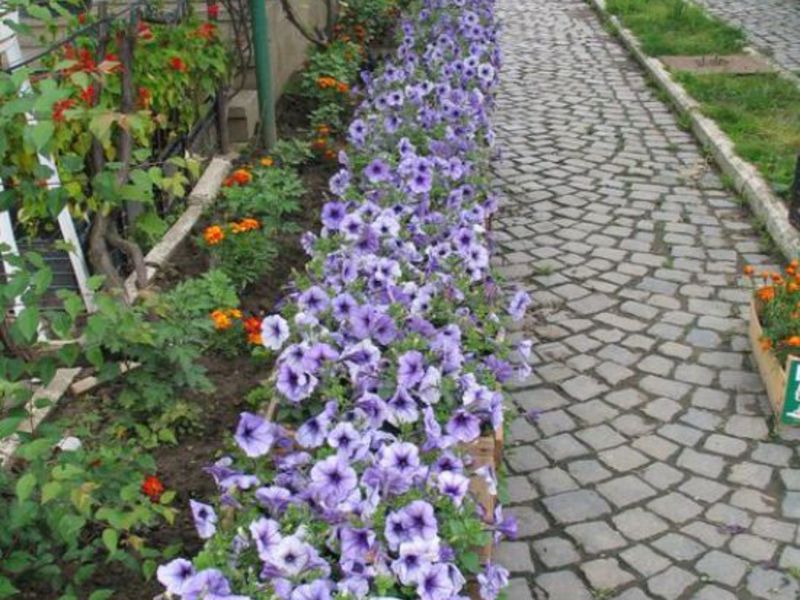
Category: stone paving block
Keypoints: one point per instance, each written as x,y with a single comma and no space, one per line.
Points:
530,522
555,552
675,507
626,490
753,501
623,458
553,481
771,584
678,547
515,556
772,454
747,473
561,447
754,428
713,592
638,524
752,547
518,589
562,584
588,471
767,527
708,465
662,476
662,409
671,584
524,459
633,425
656,446
707,490
596,537
605,574
710,535
554,422
790,558
682,434
644,560
576,506
791,505
593,412
600,437
724,444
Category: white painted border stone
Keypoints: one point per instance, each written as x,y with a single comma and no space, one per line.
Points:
746,179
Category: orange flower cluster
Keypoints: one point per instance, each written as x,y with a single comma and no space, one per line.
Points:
267,161
213,235
238,177
223,318
780,289
323,143
325,83
245,225
252,326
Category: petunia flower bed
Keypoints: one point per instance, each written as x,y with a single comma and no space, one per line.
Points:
360,482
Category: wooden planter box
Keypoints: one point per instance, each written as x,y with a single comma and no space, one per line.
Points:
774,375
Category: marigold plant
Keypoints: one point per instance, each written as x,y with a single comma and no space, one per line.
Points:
777,298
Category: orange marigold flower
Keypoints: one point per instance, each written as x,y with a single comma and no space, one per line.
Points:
221,320
252,325
749,270
793,341
776,277
342,87
766,293
241,176
267,161
766,343
254,338
324,130
330,154
248,224
152,488
213,235
792,287
235,313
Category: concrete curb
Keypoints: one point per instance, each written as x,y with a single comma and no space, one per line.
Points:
746,178
201,196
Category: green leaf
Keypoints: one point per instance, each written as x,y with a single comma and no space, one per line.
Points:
110,539
7,589
40,134
51,490
101,594
9,426
27,323
25,486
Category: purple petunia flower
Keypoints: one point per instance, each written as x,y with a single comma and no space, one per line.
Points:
267,535
209,584
274,332
436,583
411,369
332,214
205,519
254,435
519,303
464,426
492,581
175,574
294,384
333,479
377,171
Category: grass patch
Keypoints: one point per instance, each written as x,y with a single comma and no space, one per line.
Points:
675,27
760,113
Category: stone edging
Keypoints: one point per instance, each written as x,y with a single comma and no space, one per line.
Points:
201,196
746,178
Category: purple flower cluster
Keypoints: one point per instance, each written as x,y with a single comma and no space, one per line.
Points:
393,349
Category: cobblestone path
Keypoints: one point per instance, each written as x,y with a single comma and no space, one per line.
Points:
772,26
644,465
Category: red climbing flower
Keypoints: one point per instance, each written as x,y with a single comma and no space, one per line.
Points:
176,62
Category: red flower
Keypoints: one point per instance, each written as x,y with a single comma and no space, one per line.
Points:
206,31
88,94
152,488
86,60
144,31
82,18
177,63
145,97
213,11
60,107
